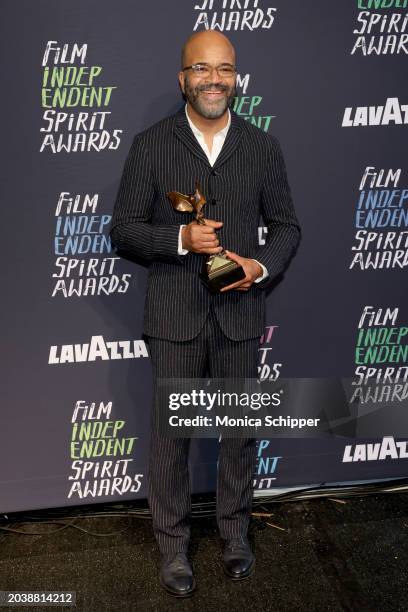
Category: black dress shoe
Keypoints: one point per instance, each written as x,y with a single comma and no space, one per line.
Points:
238,559
176,575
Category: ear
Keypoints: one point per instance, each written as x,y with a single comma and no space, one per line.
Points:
181,80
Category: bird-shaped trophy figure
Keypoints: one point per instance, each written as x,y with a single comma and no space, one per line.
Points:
218,271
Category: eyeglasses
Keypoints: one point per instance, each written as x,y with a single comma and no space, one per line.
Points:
204,70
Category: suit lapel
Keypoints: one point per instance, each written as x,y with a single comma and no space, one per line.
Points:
231,141
183,132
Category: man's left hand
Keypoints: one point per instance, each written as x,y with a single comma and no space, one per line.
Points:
251,268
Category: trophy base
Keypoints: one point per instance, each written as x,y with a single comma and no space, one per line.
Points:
220,272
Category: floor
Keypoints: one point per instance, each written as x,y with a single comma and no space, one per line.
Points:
317,555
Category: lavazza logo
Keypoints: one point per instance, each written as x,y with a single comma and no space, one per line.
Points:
392,112
97,348
378,451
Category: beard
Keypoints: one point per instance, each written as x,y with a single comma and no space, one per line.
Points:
209,109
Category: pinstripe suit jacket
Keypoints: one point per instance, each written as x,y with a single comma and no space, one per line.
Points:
247,179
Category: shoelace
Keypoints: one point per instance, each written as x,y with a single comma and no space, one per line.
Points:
237,544
178,561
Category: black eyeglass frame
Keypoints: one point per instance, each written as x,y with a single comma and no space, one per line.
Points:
234,68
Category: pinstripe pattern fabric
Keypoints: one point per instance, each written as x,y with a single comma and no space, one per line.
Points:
248,177
168,481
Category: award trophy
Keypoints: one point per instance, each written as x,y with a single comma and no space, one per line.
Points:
218,270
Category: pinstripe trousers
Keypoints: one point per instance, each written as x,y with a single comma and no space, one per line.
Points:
169,494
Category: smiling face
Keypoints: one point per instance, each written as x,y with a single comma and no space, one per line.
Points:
209,96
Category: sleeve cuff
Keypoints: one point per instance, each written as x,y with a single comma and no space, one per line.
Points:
181,251
264,275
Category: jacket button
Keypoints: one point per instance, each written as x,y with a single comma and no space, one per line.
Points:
213,201
214,173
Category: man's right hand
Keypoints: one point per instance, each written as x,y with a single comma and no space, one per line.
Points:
201,238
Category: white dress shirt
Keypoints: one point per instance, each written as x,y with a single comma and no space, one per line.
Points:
218,141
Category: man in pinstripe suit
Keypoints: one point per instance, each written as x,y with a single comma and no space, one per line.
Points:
191,332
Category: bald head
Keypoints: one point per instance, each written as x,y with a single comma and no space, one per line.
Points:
205,43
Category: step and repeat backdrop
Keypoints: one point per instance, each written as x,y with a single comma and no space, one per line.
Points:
80,79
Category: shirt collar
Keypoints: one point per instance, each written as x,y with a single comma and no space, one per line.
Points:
196,131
